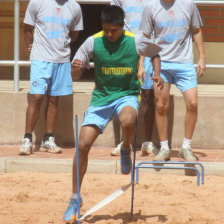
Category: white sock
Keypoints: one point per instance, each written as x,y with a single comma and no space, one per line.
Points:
74,196
164,145
186,143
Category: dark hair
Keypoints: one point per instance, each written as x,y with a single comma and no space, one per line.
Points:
112,14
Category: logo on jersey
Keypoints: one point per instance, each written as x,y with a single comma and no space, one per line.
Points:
58,11
172,37
55,34
171,12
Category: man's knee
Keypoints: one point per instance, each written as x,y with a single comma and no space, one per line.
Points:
192,106
53,100
83,147
162,108
128,121
35,99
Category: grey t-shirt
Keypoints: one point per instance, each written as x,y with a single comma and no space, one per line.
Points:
133,12
144,47
171,23
53,20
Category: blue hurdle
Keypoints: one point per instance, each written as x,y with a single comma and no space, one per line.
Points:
143,164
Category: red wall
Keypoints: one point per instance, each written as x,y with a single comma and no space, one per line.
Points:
213,20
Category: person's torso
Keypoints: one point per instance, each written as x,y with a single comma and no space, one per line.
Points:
133,13
115,68
172,22
52,28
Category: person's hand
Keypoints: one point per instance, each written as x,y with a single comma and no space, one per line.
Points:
141,73
201,68
77,65
159,81
77,68
30,47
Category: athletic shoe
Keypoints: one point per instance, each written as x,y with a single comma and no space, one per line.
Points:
149,148
126,164
116,151
26,147
163,155
72,209
50,146
187,154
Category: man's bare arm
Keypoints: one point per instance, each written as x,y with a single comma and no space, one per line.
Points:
28,36
141,69
197,36
74,35
156,63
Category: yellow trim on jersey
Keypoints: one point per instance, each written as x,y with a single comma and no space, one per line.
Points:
128,33
97,35
125,32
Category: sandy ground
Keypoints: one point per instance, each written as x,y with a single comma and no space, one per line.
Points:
40,198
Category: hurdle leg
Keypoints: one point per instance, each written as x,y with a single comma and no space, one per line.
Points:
77,161
133,171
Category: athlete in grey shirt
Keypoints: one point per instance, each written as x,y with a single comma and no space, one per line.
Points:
54,21
173,23
49,28
133,13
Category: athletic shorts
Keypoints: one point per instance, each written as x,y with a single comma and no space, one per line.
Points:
50,78
147,82
183,75
101,115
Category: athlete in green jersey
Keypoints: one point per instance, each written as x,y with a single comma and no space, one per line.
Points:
116,54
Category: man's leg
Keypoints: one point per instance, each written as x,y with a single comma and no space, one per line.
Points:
162,105
48,144
87,136
32,114
191,101
127,119
51,113
148,110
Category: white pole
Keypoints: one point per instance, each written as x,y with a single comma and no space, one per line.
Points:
16,45
206,2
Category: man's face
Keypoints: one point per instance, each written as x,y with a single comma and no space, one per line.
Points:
112,32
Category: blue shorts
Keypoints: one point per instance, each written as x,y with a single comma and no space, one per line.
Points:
101,115
147,82
183,75
50,78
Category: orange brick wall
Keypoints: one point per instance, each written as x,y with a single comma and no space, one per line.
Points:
213,20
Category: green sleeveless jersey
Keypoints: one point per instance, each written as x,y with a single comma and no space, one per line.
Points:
115,68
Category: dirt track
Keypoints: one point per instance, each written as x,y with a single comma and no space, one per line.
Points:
40,198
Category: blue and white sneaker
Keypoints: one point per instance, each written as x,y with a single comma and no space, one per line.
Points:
70,213
126,163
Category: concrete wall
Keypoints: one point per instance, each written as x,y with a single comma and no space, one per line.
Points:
208,132
209,129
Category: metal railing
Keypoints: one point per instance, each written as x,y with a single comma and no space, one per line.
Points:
17,63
